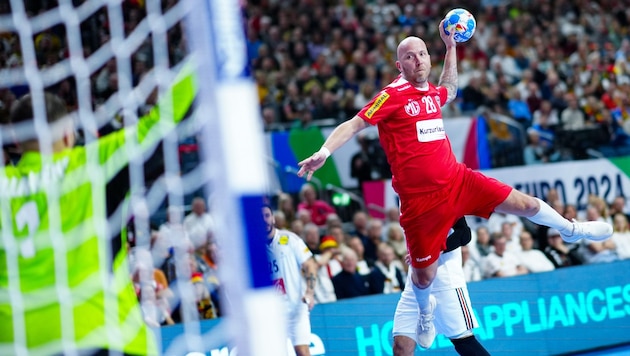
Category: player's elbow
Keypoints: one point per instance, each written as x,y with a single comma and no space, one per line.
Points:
451,96
356,124
451,93
310,266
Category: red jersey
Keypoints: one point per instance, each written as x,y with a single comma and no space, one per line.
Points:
412,134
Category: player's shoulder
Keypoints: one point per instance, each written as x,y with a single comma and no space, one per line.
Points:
398,85
284,237
401,86
438,89
434,88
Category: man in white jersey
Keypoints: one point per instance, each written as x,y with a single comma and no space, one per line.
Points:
290,260
453,313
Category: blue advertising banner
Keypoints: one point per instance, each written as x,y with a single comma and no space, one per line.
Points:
560,312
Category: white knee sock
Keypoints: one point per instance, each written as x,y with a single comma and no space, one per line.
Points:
422,296
547,216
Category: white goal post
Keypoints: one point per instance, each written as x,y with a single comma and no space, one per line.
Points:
115,63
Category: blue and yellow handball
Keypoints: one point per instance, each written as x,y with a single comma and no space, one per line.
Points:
462,22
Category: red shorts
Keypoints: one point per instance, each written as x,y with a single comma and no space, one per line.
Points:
427,218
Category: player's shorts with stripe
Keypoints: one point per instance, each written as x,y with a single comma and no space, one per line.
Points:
427,218
299,325
453,313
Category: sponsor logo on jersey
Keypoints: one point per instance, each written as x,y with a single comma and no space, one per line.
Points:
438,101
283,240
430,130
412,108
376,105
418,259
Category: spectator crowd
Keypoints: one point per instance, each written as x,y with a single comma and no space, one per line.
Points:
559,70
176,274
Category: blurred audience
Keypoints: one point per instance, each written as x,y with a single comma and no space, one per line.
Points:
328,266
349,283
500,262
395,236
388,274
287,207
360,225
373,240
618,205
198,223
472,269
597,251
481,245
318,208
531,258
560,253
363,266
621,235
311,237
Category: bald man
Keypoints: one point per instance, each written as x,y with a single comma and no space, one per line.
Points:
434,189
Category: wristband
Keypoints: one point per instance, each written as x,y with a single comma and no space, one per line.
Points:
325,151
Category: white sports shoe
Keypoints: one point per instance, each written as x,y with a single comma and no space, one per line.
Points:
425,332
590,230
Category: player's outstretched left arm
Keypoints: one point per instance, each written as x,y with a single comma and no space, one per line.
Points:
448,78
340,135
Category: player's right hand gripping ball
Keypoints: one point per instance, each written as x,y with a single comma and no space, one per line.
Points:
462,22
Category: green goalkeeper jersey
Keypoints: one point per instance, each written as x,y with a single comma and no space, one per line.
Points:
64,281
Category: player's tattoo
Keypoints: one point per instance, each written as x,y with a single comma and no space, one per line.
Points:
448,79
309,270
310,281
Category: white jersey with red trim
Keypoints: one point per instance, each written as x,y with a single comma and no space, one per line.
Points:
287,252
412,134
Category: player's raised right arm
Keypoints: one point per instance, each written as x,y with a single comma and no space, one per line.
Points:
340,135
448,78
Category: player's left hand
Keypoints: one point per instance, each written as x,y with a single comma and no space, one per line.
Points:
309,299
311,164
449,40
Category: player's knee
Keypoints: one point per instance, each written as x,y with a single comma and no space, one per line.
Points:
423,277
531,205
422,282
520,204
302,350
403,346
462,335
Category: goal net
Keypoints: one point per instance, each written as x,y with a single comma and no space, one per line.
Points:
117,119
